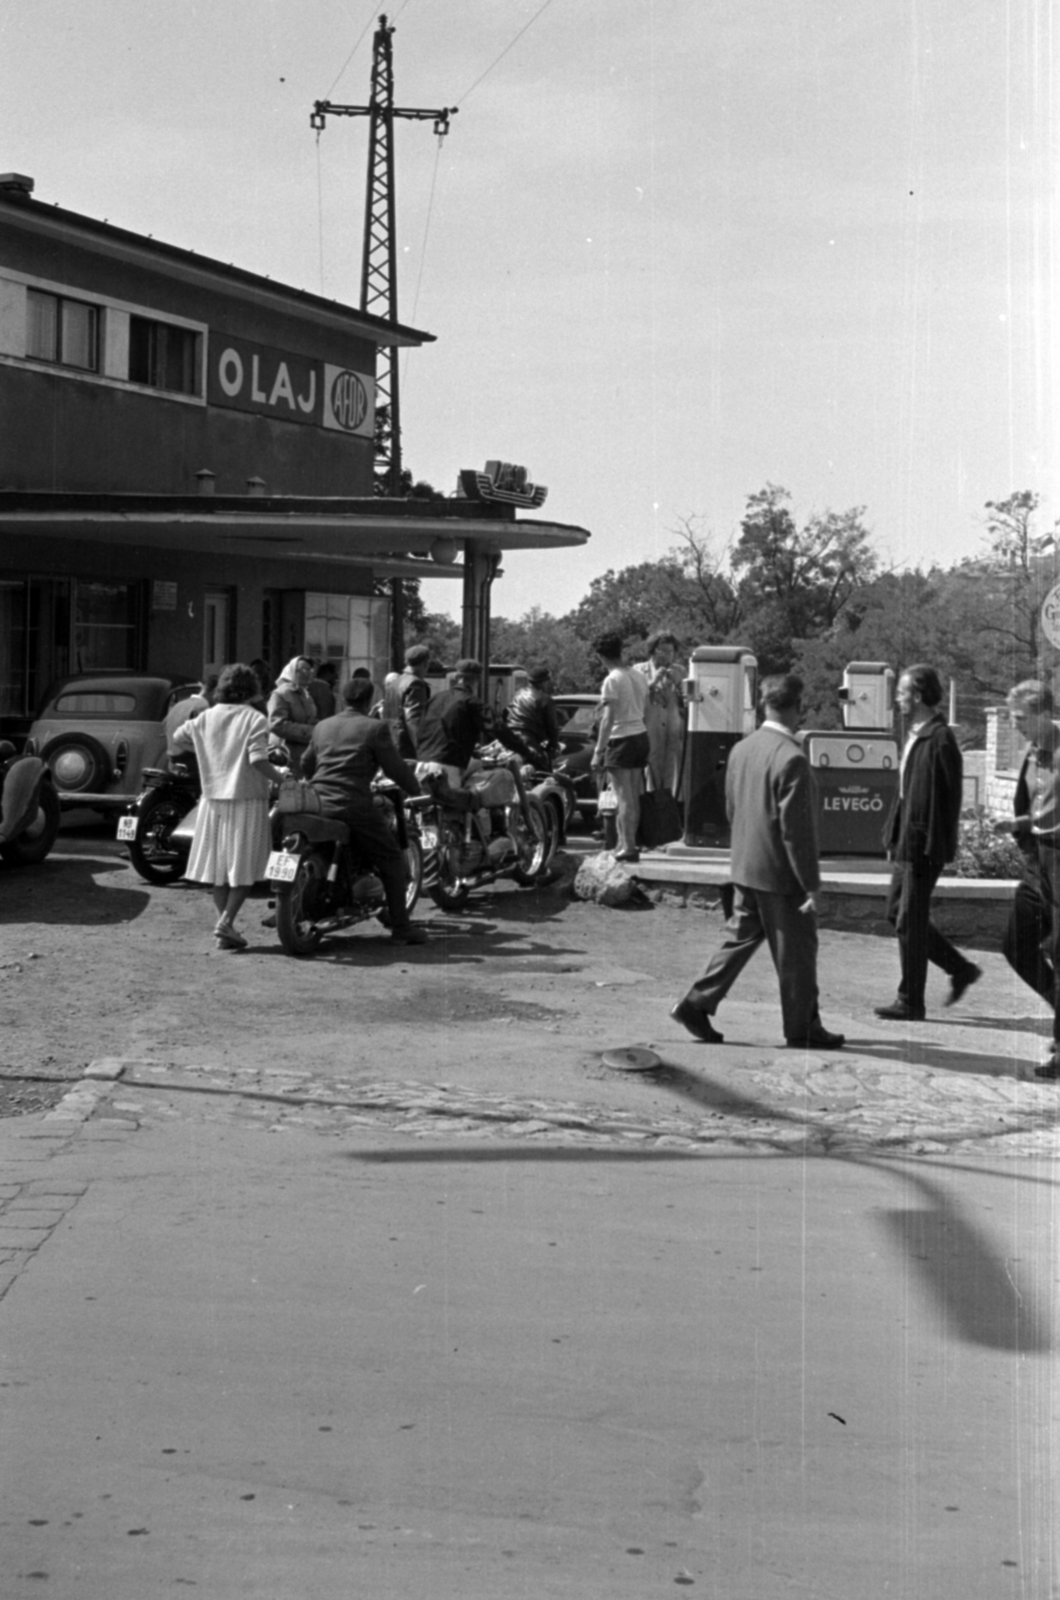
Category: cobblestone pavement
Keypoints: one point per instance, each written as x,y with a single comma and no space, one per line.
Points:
815,1105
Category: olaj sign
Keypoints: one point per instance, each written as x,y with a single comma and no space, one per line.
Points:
276,383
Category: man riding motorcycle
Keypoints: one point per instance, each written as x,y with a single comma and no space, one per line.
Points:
456,720
343,756
532,715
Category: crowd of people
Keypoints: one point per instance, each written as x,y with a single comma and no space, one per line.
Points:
247,733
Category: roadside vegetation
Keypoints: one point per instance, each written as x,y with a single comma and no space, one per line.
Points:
809,596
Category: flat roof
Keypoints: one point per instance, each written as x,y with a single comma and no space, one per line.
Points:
394,537
188,265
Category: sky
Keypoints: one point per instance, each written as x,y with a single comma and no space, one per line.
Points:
671,250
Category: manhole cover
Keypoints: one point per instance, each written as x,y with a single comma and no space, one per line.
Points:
631,1058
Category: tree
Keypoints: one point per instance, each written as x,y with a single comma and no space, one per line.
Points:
1021,567
541,639
793,584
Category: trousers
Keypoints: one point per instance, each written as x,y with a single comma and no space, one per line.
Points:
919,941
368,830
775,919
1032,937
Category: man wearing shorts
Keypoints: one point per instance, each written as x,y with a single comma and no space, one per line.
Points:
622,743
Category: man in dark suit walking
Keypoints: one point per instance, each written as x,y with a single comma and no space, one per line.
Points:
771,804
921,837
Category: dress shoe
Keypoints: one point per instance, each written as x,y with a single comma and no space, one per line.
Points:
819,1039
1049,1069
964,980
696,1022
627,855
897,1012
413,934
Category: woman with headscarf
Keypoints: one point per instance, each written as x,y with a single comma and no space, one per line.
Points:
231,844
292,712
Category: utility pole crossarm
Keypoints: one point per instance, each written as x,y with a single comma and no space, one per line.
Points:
327,108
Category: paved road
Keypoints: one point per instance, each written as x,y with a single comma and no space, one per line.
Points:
286,1366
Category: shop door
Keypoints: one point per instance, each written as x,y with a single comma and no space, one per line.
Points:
216,631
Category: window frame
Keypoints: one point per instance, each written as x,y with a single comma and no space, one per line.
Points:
107,305
62,303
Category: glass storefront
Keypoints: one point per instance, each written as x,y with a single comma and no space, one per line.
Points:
352,630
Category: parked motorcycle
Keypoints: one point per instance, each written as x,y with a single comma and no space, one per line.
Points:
559,802
322,881
29,808
160,823
492,828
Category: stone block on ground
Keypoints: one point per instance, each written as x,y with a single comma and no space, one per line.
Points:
606,882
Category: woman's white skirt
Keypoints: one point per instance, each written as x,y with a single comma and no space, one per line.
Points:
231,843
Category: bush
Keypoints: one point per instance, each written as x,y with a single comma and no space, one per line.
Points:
982,852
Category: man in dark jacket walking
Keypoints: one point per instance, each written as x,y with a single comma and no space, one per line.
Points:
921,837
1032,938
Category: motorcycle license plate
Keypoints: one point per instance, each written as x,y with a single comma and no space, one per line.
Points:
127,827
282,867
429,837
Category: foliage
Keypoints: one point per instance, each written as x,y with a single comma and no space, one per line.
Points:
982,852
541,639
440,631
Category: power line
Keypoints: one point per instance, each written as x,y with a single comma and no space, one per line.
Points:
505,51
353,52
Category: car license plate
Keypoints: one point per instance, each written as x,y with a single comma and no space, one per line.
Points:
429,836
127,827
282,867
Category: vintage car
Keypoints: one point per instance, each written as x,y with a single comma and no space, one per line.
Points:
97,731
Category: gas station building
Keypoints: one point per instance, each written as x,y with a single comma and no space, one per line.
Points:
187,469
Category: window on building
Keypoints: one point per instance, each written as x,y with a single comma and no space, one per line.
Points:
106,625
162,356
352,630
61,330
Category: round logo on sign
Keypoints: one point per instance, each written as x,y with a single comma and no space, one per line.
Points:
349,401
1051,616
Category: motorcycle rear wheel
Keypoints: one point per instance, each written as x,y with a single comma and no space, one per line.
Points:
152,852
447,891
532,836
298,905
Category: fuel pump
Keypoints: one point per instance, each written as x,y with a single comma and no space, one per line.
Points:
721,689
856,770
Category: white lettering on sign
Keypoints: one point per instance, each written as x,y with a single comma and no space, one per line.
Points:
348,401
282,388
230,372
310,400
256,392
852,803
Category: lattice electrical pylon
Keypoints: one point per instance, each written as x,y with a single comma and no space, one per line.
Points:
379,257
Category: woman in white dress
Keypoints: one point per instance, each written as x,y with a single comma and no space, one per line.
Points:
232,842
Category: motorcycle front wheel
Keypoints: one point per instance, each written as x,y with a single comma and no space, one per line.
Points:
299,906
447,891
154,855
531,836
